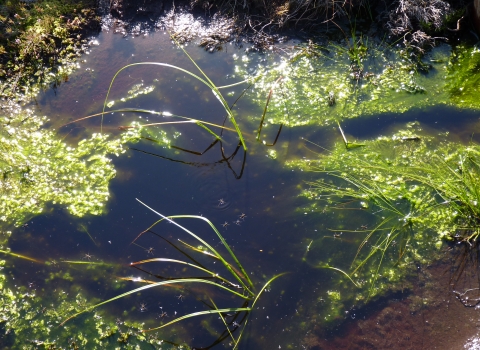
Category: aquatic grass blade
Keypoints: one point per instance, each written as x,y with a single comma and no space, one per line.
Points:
210,255
153,64
326,266
214,252
225,263
224,323
148,111
137,279
195,249
255,301
88,233
200,124
205,252
348,144
345,141
217,94
200,313
205,81
388,241
266,285
365,240
376,247
248,80
191,280
211,273
223,284
20,256
83,262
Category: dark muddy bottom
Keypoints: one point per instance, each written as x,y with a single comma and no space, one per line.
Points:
428,317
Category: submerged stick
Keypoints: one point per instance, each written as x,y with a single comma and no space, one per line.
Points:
266,107
347,143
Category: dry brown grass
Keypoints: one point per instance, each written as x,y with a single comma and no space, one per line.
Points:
409,14
281,13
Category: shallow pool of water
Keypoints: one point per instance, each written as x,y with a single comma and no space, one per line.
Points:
252,198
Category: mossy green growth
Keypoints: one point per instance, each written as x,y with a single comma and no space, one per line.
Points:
37,167
39,42
30,317
414,190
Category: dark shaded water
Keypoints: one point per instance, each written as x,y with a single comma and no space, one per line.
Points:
271,238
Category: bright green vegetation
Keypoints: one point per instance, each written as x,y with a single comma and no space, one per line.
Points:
34,324
38,168
30,316
425,181
413,190
39,42
238,285
321,85
463,80
135,91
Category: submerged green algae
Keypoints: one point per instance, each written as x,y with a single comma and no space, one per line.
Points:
37,168
31,316
134,92
409,192
426,181
318,86
328,85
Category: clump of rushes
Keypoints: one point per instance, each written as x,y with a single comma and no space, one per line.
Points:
38,39
421,191
236,283
138,90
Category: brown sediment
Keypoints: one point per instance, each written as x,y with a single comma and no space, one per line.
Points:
429,318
